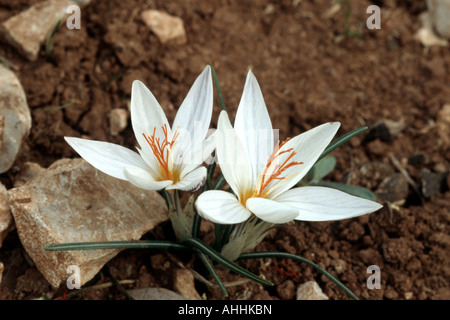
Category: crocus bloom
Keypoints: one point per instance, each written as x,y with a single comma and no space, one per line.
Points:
263,174
168,157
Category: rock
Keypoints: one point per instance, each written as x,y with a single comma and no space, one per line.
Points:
73,202
439,13
169,29
15,118
1,271
392,189
183,283
443,123
6,219
154,294
29,29
426,34
432,182
310,291
118,121
28,171
286,290
373,173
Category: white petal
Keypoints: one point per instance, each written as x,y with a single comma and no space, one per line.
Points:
232,157
192,181
221,207
144,180
146,114
271,211
326,204
196,157
253,125
107,157
308,147
194,115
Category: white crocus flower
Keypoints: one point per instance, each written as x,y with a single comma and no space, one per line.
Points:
262,174
168,157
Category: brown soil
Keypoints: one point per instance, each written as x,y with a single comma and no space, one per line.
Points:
310,73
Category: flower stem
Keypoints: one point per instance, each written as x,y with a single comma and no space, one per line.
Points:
182,221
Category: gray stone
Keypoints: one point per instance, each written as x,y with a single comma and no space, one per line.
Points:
29,29
183,283
169,29
440,16
73,202
15,118
27,172
6,219
310,291
392,189
118,120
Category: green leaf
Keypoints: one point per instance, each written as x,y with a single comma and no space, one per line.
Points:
202,247
219,91
140,244
49,42
213,272
322,168
283,255
336,143
353,190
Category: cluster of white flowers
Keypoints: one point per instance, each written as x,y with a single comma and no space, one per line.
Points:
261,172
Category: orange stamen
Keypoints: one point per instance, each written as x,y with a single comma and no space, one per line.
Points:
161,150
278,169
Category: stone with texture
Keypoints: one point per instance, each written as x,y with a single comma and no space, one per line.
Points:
27,172
15,118
118,120
440,16
168,28
184,284
6,219
1,271
73,202
310,291
29,29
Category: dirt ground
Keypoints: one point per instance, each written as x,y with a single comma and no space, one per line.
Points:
310,72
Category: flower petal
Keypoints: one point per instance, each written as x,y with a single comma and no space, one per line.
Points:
308,147
107,157
192,181
271,211
221,207
232,157
197,156
144,180
194,115
326,204
146,114
253,125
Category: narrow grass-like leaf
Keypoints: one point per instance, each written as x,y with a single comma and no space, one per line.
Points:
139,244
49,42
213,272
219,91
219,182
353,190
202,247
64,106
283,255
336,143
